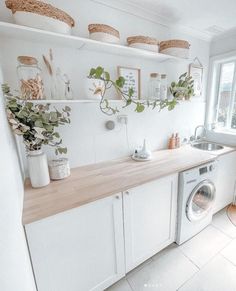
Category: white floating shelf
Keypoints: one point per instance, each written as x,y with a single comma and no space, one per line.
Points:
9,30
71,101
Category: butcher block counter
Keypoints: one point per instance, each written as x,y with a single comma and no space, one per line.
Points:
93,182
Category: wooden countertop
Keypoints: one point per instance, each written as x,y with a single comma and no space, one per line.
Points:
93,182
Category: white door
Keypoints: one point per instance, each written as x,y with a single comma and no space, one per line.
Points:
201,201
149,219
225,182
81,249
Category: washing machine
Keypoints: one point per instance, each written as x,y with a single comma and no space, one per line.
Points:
195,200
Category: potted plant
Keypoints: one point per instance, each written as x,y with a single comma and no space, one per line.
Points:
37,124
184,88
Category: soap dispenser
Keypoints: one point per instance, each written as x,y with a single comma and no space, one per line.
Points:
144,154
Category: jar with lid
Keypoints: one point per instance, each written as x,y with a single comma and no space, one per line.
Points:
163,91
154,87
30,78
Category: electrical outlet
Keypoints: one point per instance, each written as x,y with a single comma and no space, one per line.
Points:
122,119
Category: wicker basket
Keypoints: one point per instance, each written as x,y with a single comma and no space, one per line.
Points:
175,47
103,32
143,42
142,39
38,14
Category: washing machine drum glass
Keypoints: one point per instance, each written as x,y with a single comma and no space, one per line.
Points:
200,201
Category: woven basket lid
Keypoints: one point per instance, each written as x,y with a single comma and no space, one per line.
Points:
103,28
142,39
178,43
27,60
40,8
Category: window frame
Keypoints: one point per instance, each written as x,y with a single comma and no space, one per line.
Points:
215,69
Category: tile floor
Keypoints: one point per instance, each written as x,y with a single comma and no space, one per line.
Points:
207,262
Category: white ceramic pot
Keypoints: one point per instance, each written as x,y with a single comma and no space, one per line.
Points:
38,169
59,169
94,89
176,52
104,37
41,22
145,46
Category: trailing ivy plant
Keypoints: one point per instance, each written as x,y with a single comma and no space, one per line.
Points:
100,74
36,123
184,88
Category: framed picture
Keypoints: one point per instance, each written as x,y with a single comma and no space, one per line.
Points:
196,71
132,80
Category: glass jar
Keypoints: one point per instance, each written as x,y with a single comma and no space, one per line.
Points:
154,87
163,92
30,78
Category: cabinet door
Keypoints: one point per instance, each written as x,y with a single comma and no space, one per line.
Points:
149,219
79,250
225,182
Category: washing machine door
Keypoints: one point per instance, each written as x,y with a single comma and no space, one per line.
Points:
201,201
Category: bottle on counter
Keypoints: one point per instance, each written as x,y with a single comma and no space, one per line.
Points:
177,140
163,87
172,142
154,87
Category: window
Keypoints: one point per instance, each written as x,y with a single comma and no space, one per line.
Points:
224,94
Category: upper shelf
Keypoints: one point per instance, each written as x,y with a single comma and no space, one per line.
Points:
15,31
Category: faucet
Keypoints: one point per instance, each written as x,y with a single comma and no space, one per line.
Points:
195,137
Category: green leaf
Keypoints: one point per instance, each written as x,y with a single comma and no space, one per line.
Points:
67,108
62,150
92,72
39,123
120,82
139,108
56,134
131,92
99,72
107,76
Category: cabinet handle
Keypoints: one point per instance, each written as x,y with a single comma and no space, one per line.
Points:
117,197
127,192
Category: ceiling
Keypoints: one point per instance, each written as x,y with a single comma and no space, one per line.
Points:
209,17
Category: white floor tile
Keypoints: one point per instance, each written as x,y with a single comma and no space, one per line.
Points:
167,272
223,223
230,252
218,275
122,285
204,246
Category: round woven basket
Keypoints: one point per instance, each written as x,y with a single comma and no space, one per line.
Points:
142,39
40,8
174,43
103,28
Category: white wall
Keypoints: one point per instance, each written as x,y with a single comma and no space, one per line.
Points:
86,138
15,269
225,44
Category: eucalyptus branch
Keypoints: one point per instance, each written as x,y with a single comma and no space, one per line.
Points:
100,74
36,123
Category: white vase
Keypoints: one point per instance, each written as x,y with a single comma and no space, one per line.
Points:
94,88
38,169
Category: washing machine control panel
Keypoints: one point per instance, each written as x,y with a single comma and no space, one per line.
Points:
206,169
203,170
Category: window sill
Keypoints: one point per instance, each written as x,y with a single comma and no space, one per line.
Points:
225,131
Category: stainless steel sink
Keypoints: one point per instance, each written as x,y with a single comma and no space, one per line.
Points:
207,146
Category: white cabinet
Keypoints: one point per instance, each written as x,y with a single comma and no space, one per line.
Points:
81,249
225,182
149,219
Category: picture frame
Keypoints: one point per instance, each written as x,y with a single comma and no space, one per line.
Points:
132,80
196,72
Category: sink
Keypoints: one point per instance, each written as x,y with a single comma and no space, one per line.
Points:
207,146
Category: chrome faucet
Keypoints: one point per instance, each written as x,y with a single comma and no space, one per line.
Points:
195,137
